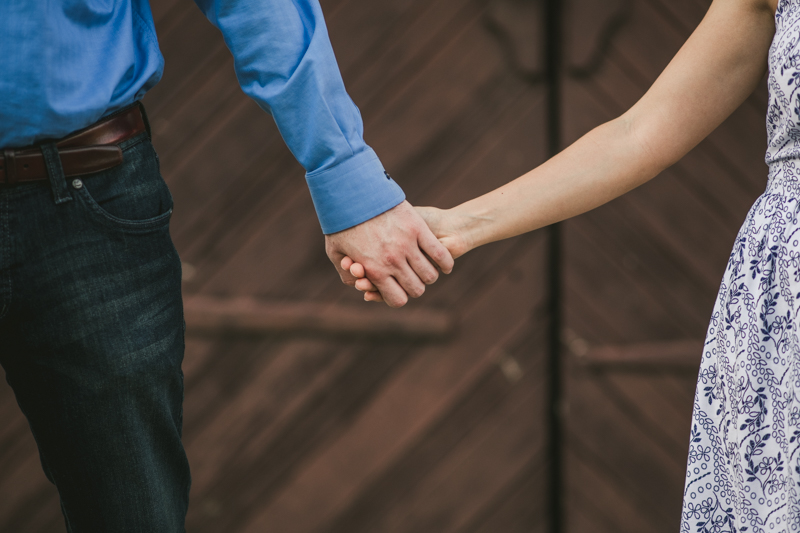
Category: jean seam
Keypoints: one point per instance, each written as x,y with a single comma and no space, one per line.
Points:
55,173
121,223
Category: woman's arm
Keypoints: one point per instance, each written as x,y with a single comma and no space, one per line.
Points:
712,74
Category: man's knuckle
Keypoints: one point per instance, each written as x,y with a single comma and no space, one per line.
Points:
416,292
378,276
391,260
396,299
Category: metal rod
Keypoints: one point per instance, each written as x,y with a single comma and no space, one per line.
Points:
555,490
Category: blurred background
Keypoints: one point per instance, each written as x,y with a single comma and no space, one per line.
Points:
308,411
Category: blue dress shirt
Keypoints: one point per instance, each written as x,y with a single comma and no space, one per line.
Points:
66,64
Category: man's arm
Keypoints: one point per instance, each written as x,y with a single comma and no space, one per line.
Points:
284,61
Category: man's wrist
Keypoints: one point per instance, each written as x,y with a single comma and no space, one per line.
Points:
352,192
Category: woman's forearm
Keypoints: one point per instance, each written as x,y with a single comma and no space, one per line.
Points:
602,165
714,72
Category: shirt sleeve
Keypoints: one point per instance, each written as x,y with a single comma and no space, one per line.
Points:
284,61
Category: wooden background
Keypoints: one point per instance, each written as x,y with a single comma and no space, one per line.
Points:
312,432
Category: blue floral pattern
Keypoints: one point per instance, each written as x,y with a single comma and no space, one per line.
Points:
743,471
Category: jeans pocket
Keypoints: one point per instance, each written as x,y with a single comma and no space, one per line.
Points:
132,196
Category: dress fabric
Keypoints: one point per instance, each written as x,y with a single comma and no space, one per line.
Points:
743,471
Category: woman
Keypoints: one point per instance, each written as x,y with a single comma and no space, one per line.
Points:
743,471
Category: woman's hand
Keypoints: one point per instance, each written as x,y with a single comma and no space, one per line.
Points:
447,225
371,293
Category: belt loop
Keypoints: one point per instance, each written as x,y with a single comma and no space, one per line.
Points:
145,120
10,164
58,181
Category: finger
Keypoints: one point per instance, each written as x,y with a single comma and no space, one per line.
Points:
357,270
423,268
429,244
337,259
407,279
373,297
346,263
392,292
365,285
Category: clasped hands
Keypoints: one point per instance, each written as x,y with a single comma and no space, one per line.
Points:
396,254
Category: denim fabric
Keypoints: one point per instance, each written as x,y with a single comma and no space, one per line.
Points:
91,340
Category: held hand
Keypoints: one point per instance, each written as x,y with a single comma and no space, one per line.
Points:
391,249
364,285
444,226
448,227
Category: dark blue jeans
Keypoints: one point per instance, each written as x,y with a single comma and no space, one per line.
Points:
91,340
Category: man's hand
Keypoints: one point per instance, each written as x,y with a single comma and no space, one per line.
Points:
447,225
392,248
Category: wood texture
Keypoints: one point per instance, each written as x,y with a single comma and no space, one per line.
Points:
319,433
245,316
678,354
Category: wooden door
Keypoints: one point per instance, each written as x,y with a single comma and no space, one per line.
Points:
439,430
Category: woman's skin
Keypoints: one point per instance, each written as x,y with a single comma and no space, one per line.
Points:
717,68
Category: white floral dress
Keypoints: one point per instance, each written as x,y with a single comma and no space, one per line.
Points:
743,472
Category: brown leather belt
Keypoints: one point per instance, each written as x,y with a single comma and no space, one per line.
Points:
88,150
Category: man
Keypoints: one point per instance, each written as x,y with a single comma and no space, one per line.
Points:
91,324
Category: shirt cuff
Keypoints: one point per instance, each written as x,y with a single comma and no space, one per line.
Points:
352,192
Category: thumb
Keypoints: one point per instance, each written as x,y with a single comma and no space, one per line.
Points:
430,215
437,251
